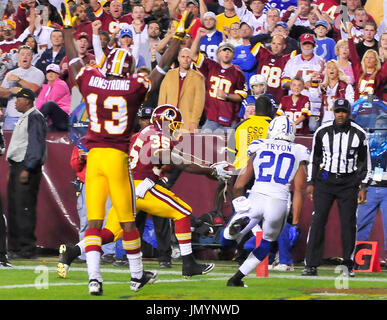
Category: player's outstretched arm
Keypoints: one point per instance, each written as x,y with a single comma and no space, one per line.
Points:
192,164
75,63
299,191
170,55
244,177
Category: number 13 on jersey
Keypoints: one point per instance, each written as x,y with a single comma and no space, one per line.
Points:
114,122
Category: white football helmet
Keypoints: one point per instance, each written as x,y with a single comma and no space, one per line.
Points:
282,128
257,79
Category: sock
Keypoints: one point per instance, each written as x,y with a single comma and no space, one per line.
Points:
184,235
92,260
135,265
81,246
256,257
131,243
93,242
107,236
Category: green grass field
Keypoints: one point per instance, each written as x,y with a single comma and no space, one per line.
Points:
38,280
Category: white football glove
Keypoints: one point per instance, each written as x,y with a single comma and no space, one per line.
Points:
143,187
220,172
241,204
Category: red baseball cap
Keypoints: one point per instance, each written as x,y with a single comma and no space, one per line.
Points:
82,35
307,38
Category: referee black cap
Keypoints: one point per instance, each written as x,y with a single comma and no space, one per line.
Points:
145,113
342,104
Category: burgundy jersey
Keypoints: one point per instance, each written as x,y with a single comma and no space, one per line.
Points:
230,80
367,84
10,46
144,148
110,24
112,105
272,67
295,110
328,6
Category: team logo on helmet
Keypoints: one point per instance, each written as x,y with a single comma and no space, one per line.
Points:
170,116
282,128
120,63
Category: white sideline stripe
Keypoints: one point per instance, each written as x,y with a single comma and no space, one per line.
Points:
223,274
19,286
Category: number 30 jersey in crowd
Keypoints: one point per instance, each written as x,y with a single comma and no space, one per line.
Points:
275,164
112,105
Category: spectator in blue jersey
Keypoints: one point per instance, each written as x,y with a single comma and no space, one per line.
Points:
325,47
210,42
280,5
258,88
243,56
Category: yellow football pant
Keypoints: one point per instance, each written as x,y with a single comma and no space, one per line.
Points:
107,174
158,201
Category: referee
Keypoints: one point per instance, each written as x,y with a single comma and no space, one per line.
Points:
339,170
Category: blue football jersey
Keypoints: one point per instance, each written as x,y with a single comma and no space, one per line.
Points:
209,45
280,4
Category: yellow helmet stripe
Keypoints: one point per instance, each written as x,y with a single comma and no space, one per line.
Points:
117,61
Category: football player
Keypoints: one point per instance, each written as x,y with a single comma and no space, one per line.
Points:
112,101
275,162
151,149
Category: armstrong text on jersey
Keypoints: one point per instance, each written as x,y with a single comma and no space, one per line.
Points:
114,84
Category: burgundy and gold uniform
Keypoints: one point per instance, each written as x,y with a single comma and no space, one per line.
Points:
230,80
111,105
145,163
110,24
271,66
295,110
144,148
369,83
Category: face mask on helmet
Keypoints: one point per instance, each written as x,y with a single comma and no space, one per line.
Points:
282,128
168,116
119,63
258,81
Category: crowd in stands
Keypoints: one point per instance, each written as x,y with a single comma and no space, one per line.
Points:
309,51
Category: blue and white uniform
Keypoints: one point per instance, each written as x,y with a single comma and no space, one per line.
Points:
275,165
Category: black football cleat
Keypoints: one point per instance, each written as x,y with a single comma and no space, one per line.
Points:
148,277
95,287
233,282
238,225
196,269
67,255
309,271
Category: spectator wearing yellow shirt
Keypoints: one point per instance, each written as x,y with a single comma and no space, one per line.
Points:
228,17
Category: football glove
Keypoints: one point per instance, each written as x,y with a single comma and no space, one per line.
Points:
241,204
143,187
67,19
220,172
185,24
294,235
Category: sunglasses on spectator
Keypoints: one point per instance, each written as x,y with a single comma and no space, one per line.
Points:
24,47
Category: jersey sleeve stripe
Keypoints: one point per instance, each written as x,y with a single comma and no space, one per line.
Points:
255,49
242,93
198,63
98,12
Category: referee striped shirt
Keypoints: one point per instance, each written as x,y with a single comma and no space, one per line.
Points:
340,150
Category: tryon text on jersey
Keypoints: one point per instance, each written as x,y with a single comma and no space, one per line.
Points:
114,84
279,147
